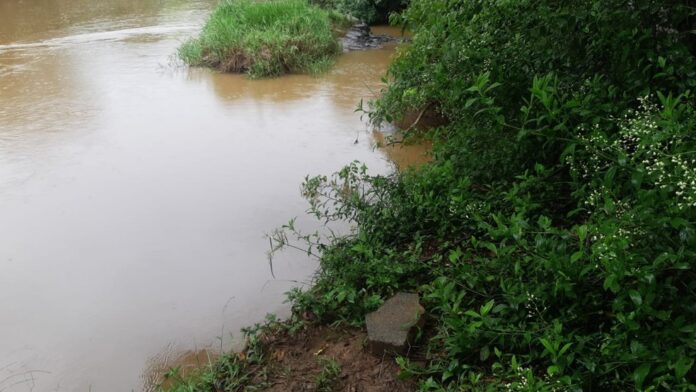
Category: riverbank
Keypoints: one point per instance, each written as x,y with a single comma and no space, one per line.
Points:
301,354
159,232
295,356
552,237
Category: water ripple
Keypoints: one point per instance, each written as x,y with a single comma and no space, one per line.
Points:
86,38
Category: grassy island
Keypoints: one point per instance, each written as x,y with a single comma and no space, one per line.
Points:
263,39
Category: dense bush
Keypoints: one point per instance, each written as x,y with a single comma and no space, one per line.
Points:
267,38
553,238
369,11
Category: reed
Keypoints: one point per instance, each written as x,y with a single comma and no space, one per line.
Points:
263,39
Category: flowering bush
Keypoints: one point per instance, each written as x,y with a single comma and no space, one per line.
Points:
553,238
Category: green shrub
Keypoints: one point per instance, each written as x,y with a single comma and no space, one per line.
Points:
368,11
267,38
553,238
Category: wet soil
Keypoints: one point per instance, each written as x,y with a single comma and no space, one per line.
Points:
296,362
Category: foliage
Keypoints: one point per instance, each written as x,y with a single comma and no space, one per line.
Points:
369,11
553,238
632,47
326,379
267,38
232,371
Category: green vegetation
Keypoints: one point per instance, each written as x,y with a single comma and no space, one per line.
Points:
553,237
268,38
330,370
230,372
368,11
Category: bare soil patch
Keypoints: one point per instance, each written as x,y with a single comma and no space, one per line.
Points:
297,363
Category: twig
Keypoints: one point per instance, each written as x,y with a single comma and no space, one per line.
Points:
381,364
420,115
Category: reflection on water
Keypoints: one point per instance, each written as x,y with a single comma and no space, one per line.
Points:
37,20
88,38
134,195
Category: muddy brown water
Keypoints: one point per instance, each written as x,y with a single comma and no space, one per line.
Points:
135,193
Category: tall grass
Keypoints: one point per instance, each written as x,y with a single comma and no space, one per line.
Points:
267,38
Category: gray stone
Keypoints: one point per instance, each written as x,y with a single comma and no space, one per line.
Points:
359,37
392,327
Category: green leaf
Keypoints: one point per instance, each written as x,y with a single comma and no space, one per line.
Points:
635,297
487,307
678,222
472,313
661,61
611,283
611,173
565,348
455,255
569,150
582,233
484,353
549,347
682,367
622,161
553,369
640,374
341,296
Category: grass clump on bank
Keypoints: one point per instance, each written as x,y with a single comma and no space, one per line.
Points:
268,38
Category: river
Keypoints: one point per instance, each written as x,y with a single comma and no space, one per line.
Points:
135,193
